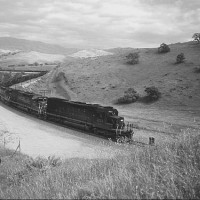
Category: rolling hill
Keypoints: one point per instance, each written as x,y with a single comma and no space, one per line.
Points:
28,45
22,57
105,78
90,53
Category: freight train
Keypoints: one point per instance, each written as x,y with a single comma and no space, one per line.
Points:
100,120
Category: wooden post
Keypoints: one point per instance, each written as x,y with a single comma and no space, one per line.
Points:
151,141
19,146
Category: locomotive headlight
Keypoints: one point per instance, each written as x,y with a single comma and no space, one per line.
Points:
122,120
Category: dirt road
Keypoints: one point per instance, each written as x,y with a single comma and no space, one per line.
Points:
45,139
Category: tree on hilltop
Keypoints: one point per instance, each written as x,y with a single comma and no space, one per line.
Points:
196,37
164,48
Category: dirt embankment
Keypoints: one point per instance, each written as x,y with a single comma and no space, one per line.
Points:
59,85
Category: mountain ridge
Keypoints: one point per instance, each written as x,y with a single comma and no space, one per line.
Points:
10,43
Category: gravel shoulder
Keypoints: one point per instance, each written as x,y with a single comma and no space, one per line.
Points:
41,138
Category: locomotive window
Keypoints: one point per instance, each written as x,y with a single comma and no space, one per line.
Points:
111,113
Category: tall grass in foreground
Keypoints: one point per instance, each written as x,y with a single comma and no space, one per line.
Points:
171,171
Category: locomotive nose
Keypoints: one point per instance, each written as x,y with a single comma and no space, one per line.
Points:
121,122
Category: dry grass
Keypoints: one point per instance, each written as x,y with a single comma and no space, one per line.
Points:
171,171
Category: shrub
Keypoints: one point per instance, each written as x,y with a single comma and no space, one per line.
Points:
197,69
133,58
41,163
180,58
196,37
36,63
164,48
153,93
130,96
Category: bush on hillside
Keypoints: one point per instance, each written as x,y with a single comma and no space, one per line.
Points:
130,96
196,37
197,69
164,48
36,63
180,58
153,93
133,58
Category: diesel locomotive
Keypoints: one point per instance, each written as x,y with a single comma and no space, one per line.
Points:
100,120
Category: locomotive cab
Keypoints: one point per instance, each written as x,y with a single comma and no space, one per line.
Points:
116,121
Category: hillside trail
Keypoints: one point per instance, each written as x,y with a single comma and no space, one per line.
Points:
59,86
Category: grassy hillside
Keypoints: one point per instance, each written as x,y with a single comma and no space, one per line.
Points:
31,57
104,79
165,172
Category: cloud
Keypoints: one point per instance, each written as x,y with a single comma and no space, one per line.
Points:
100,23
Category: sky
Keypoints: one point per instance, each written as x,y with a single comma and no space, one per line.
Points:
101,23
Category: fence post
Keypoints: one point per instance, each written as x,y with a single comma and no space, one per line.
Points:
151,141
19,146
4,142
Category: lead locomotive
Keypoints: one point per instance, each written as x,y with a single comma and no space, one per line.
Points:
102,120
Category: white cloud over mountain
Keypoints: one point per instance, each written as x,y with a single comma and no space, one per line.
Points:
100,23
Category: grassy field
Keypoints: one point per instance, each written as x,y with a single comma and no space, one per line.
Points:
169,171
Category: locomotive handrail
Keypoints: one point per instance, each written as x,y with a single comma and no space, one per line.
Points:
33,104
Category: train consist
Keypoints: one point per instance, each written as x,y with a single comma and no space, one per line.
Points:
100,120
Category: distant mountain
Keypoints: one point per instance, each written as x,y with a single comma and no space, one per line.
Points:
90,53
9,43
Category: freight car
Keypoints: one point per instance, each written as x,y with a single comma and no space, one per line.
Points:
102,120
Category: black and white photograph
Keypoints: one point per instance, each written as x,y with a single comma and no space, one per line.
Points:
99,99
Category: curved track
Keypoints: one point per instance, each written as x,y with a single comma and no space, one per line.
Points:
42,138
